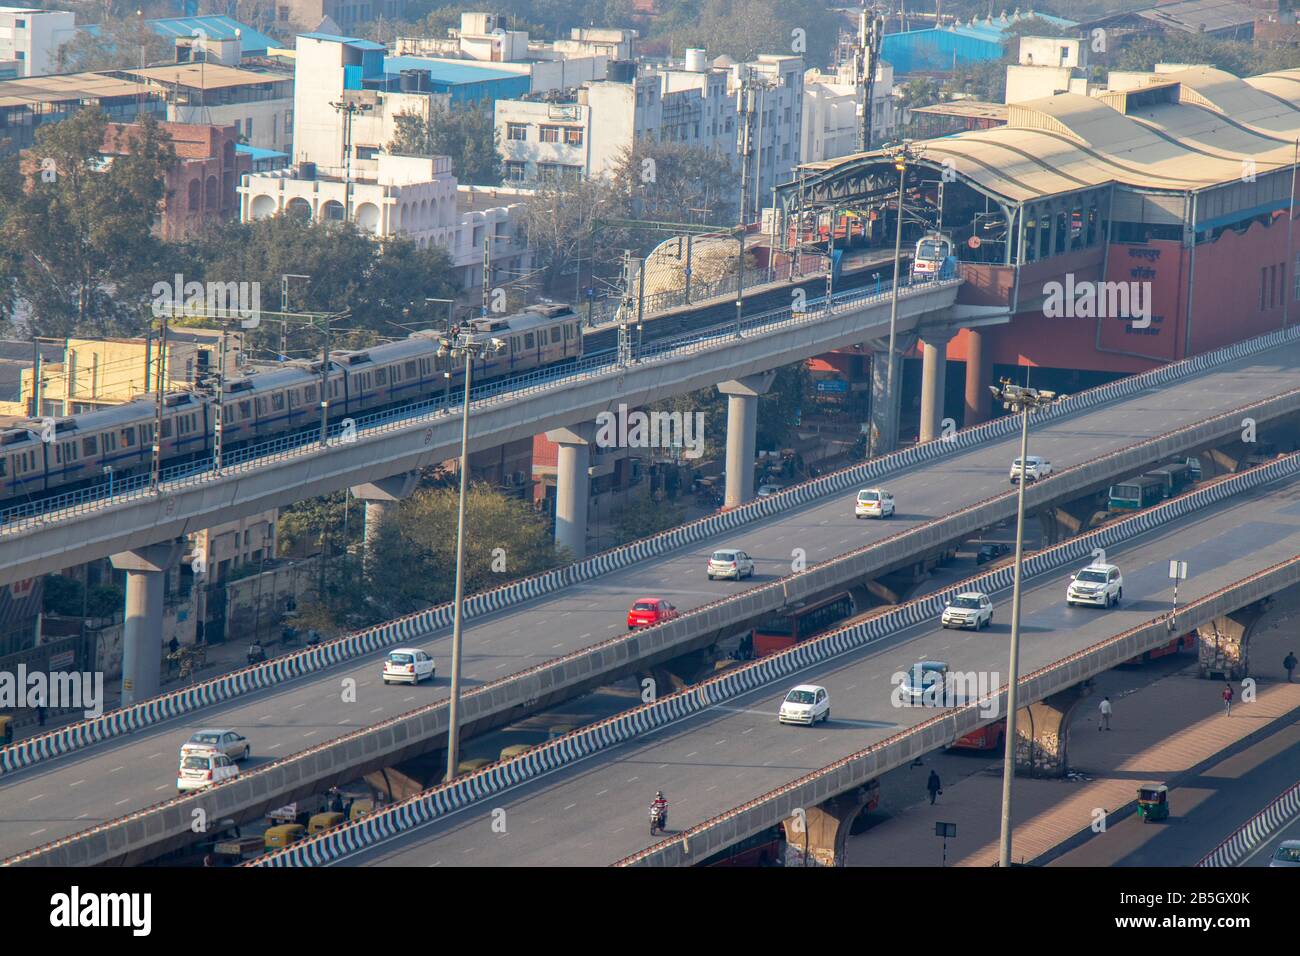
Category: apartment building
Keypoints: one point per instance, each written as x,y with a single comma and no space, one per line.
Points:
30,39
832,112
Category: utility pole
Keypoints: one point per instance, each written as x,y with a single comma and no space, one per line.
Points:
348,110
889,420
161,390
746,104
284,309
324,385
487,271
218,410
866,58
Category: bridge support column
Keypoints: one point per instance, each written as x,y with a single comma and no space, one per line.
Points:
934,374
979,372
572,486
817,836
1069,519
1042,733
142,629
380,497
742,430
885,407
1223,645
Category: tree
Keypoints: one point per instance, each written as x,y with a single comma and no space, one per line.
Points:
745,28
672,182
467,135
645,517
559,222
986,81
80,236
124,43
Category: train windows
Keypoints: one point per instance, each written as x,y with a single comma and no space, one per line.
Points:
261,406
89,446
167,428
70,451
277,401
426,366
408,370
128,437
529,341
515,344
334,388
309,394
4,467
555,335
110,442
58,454
381,376
245,410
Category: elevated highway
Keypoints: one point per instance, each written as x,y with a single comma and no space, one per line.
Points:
525,657
736,755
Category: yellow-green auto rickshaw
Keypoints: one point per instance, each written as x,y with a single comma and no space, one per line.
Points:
1153,802
6,729
324,821
279,837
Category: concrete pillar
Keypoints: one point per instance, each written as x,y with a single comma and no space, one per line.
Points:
742,431
572,486
142,630
884,407
818,835
380,497
934,374
1069,519
1223,650
979,373
1042,733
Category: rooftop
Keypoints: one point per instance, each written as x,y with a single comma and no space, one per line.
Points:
1184,132
448,71
207,76
975,109
214,27
62,87
1193,16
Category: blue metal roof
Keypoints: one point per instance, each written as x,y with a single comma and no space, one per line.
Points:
937,50
251,41
451,73
258,154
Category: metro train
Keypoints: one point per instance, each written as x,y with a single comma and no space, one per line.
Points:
38,456
932,254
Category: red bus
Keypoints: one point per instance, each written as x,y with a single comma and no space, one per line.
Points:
800,621
1185,643
989,737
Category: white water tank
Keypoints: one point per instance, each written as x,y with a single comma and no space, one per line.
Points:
695,62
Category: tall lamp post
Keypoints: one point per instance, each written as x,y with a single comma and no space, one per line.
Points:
901,159
465,345
1020,400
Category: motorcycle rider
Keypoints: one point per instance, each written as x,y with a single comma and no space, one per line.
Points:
660,807
256,653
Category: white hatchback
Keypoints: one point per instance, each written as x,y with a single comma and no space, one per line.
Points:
1033,469
730,563
806,704
408,665
203,768
874,503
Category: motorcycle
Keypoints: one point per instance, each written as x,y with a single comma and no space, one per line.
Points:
658,820
256,654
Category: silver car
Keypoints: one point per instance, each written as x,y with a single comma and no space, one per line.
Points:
730,563
1287,854
228,742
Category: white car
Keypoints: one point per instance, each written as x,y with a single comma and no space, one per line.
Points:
203,768
408,665
233,745
1098,584
1286,854
769,489
1033,469
874,503
730,563
971,609
806,704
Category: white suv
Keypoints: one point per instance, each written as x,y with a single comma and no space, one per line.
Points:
874,503
971,609
1098,584
1033,469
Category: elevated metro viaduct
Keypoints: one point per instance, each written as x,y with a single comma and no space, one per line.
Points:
1175,195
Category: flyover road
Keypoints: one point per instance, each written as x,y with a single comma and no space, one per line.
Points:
1205,809
595,811
130,773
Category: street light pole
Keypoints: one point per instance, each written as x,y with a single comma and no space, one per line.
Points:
1022,400
462,344
891,426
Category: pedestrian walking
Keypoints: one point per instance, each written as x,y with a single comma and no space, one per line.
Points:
1289,663
40,714
1227,698
933,786
1105,709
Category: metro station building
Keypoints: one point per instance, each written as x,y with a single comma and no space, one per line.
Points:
1111,233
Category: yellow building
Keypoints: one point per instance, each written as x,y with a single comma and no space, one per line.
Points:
99,372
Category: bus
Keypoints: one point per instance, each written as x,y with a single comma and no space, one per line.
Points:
799,621
765,848
1176,477
1179,644
989,737
1137,493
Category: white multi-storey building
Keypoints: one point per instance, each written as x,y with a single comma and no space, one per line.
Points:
831,112
30,40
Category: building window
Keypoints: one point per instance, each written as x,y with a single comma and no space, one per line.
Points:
517,132
282,14
367,152
248,127
1263,286
572,136
1295,278
238,130
516,171
550,134
288,122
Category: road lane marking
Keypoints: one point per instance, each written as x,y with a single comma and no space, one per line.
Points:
35,798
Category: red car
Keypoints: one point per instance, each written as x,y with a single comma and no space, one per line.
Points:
647,612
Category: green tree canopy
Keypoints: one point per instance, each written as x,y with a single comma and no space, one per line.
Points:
467,135
120,43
